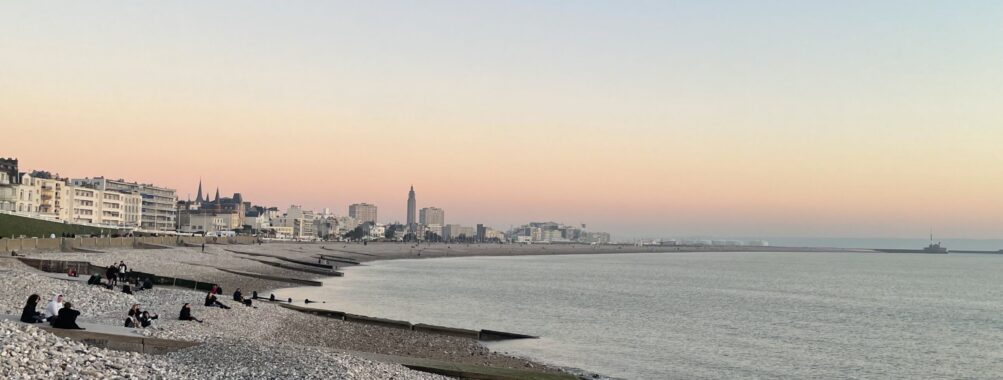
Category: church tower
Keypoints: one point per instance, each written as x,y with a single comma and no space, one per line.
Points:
198,199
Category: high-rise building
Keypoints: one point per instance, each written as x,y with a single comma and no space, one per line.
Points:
432,215
363,212
412,206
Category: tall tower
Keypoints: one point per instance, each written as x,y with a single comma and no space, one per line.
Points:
411,209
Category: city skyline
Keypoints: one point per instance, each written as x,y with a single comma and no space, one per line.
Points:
641,119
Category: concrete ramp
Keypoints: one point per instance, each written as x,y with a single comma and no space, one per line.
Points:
152,246
86,250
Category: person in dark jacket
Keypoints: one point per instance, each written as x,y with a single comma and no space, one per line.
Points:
67,318
211,301
28,314
126,289
111,274
186,314
147,284
146,319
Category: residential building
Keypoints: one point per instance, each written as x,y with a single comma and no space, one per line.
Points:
456,231
208,222
8,166
158,207
363,212
92,203
432,215
434,228
301,222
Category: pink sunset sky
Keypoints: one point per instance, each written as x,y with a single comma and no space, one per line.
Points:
644,119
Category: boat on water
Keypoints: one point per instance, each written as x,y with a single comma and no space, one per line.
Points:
936,248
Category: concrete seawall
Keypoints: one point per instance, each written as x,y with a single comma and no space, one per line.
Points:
148,242
116,342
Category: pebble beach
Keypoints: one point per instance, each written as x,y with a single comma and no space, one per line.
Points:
265,341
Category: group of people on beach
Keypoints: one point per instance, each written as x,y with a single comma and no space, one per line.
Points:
139,318
57,313
60,314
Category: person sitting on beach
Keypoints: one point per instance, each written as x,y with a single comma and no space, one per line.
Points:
95,279
126,289
146,319
134,310
147,284
254,295
239,297
28,314
211,301
271,297
67,318
52,309
186,314
72,272
131,322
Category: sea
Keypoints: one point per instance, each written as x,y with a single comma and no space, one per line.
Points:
706,315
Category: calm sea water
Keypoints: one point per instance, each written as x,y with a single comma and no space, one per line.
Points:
708,315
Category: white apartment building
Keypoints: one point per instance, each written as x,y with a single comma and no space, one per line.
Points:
301,222
105,207
158,204
21,198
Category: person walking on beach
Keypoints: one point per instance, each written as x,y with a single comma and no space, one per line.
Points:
52,309
28,314
67,318
186,314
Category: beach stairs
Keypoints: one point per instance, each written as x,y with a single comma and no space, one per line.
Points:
113,338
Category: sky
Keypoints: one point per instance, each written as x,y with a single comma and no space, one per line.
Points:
641,118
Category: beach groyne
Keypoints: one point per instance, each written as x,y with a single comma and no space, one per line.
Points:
84,268
481,335
67,244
